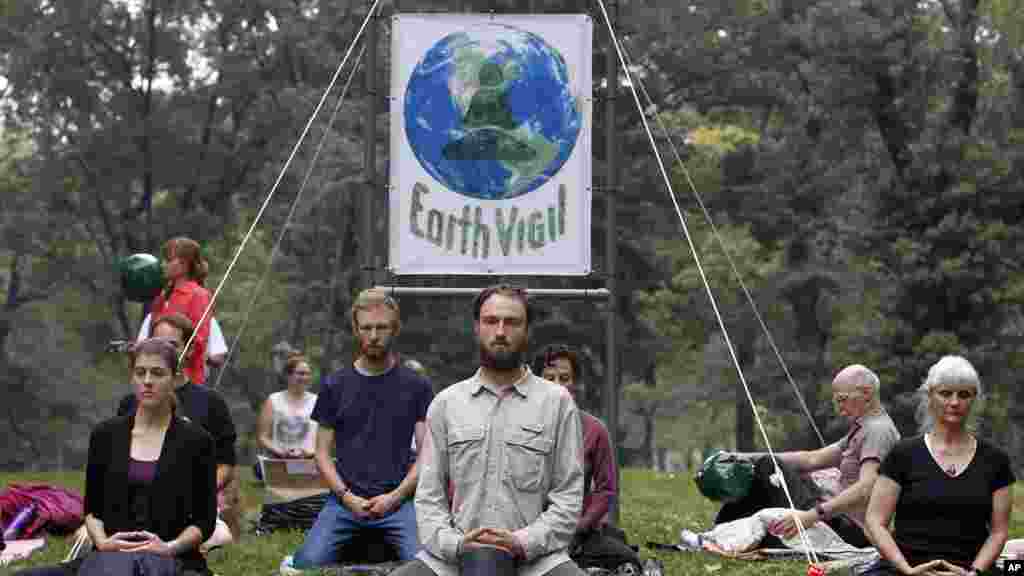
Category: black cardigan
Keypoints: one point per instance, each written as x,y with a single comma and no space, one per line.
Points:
184,491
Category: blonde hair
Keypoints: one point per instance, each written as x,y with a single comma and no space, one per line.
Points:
371,298
955,370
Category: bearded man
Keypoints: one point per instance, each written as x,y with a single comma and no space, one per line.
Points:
501,471
367,412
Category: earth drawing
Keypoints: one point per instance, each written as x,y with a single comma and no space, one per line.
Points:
489,112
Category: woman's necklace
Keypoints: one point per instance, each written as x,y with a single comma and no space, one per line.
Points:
945,453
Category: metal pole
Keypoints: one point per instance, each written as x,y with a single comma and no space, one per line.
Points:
369,157
580,294
611,376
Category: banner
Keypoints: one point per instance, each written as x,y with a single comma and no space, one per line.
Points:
490,144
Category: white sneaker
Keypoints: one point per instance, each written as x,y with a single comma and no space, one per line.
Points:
690,540
288,569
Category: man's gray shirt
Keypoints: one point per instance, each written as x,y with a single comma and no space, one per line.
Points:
511,461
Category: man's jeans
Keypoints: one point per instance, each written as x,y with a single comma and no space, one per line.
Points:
336,525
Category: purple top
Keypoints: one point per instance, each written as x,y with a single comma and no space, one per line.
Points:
140,472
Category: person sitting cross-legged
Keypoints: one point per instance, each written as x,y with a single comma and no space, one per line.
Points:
149,482
368,412
501,471
286,429
949,490
596,543
206,408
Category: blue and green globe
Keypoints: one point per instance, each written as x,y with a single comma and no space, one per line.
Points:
490,113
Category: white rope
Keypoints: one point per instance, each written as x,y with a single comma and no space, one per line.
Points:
280,177
812,557
726,251
287,222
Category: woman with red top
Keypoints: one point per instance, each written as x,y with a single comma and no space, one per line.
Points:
185,270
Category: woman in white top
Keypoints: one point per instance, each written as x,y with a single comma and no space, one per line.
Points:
285,427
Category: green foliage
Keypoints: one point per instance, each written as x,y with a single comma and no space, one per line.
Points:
862,161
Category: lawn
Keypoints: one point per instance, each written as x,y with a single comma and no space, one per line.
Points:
655,507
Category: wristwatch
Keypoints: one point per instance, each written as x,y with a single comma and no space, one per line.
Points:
820,509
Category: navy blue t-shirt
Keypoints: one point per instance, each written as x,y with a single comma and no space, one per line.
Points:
373,418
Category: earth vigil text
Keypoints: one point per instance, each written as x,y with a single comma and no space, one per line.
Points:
471,232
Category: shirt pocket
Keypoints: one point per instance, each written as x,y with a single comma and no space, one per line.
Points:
527,451
466,454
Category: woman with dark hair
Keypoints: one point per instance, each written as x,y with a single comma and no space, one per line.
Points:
185,271
596,542
949,489
285,427
150,496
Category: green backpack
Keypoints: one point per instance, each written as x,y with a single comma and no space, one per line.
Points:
725,478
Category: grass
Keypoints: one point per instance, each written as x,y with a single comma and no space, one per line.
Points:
655,507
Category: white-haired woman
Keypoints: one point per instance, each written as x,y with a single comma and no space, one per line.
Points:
949,489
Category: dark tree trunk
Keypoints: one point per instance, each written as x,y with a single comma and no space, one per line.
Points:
744,416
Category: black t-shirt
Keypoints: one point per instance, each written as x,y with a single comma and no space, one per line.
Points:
939,516
373,418
204,407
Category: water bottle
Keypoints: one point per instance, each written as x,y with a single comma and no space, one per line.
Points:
21,519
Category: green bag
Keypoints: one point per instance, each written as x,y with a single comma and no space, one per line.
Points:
141,277
725,478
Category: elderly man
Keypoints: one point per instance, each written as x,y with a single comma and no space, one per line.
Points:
501,466
858,455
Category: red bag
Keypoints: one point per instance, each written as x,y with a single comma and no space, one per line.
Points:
58,510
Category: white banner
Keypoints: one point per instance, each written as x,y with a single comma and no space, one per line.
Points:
490,144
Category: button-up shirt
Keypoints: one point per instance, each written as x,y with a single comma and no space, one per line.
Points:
508,459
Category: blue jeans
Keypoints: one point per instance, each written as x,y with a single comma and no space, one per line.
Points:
336,525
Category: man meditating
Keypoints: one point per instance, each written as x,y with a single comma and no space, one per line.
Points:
501,477
367,412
